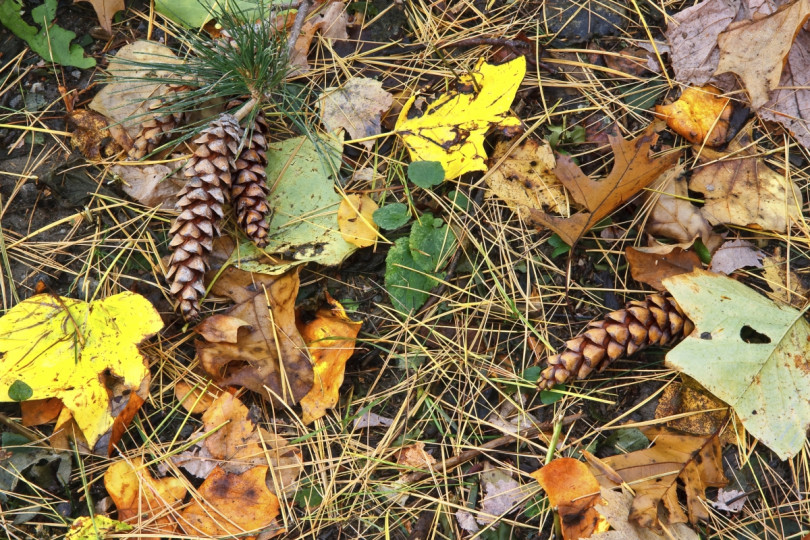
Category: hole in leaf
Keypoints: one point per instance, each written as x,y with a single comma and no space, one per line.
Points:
749,335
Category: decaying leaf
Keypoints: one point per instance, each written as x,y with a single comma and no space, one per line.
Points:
708,414
231,504
195,400
355,107
356,220
740,189
731,500
526,178
330,336
790,102
748,352
105,9
91,134
370,419
40,411
265,313
700,115
650,267
573,490
502,494
331,23
232,437
21,462
736,254
85,354
633,170
89,528
756,49
451,128
653,473
141,498
615,508
415,455
786,286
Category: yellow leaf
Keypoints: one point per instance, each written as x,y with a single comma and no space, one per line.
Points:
451,129
355,220
84,354
95,528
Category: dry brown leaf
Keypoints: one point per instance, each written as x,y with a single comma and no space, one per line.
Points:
653,473
526,178
415,456
286,464
740,189
232,437
690,397
736,254
90,134
194,400
355,220
631,60
105,10
615,508
356,107
755,50
700,115
36,412
502,494
142,499
266,306
330,337
790,102
574,491
331,23
650,267
633,170
231,504
786,285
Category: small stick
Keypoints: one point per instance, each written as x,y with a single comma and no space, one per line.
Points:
295,31
468,455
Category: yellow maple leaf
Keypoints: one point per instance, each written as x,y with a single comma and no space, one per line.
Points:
451,130
83,353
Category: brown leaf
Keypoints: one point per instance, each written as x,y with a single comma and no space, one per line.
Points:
632,61
653,473
650,268
574,491
266,304
105,9
616,510
91,134
232,439
740,189
194,400
525,179
331,23
691,397
231,504
790,102
36,412
633,169
700,115
785,284
415,456
736,254
286,464
356,107
756,49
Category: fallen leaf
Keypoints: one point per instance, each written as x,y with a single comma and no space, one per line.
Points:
755,50
573,490
105,9
140,498
740,189
765,379
45,468
231,504
615,508
356,220
708,414
732,500
232,438
700,115
84,354
195,400
466,521
786,286
633,169
331,23
790,101
451,128
36,412
525,179
302,178
632,61
330,336
151,185
650,267
90,134
286,464
502,494
415,456
266,306
355,107
654,471
736,254
370,419
94,528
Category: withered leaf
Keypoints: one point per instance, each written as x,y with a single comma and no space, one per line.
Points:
651,267
633,170
701,115
790,102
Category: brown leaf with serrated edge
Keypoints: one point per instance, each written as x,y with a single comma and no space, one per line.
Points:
633,170
266,305
650,267
653,473
574,491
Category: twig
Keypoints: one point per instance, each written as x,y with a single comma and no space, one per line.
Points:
295,31
20,430
468,455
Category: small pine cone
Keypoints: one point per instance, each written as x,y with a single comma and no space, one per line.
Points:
249,193
158,129
200,204
656,320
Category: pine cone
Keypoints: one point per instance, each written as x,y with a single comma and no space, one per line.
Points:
201,202
250,189
158,129
656,320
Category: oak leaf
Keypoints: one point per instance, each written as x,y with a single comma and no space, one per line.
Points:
633,170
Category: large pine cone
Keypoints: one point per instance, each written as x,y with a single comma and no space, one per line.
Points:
159,128
250,189
656,320
201,207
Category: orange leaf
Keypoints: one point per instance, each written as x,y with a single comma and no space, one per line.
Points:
105,9
234,439
231,504
700,115
36,412
651,267
574,491
633,169
194,400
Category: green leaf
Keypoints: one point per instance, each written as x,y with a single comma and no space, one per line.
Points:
547,397
426,174
195,13
392,216
459,200
20,391
431,242
406,283
58,49
624,441
748,352
559,245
